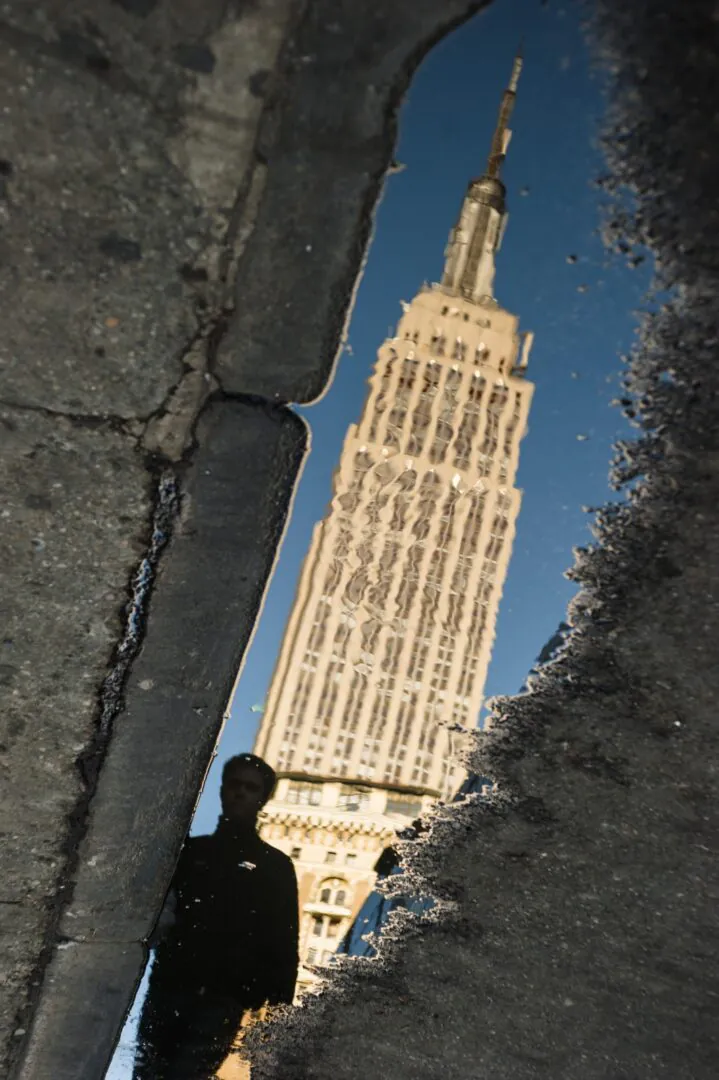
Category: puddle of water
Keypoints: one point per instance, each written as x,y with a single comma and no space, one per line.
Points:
435,519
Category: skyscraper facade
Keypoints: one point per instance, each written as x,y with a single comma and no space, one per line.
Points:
385,654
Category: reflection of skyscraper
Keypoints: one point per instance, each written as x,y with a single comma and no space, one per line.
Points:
389,640
360,939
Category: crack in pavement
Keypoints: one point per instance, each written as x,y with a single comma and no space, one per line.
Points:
111,701
120,424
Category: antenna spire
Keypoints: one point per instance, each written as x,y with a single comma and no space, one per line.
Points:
473,243
502,134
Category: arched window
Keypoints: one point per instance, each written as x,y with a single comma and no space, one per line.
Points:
333,891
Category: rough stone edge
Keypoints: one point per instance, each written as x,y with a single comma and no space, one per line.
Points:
165,463
656,197
78,973
347,139
234,504
74,1054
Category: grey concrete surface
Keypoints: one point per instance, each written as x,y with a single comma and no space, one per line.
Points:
89,1018
75,501
127,189
126,164
209,586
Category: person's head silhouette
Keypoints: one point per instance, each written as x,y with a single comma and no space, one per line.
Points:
247,784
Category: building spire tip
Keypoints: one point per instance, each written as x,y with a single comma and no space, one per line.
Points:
517,67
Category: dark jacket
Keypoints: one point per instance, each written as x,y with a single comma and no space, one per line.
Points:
236,923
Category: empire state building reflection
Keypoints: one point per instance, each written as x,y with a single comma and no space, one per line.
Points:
386,650
381,670
227,938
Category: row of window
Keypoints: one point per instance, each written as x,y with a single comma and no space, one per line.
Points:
350,857
458,431
305,793
319,957
481,321
439,346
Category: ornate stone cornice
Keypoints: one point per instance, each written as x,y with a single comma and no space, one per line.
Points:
355,825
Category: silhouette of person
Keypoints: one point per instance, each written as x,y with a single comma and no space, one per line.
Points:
228,937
